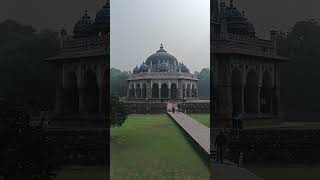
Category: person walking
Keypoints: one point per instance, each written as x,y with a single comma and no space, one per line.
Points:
173,109
234,122
220,146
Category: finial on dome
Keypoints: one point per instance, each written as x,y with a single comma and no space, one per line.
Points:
231,3
161,46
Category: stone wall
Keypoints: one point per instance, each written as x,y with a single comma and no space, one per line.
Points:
281,145
145,107
195,107
81,147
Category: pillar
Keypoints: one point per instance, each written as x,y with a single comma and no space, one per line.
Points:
258,101
59,90
242,99
169,93
82,107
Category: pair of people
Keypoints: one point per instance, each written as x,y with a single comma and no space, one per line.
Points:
236,122
220,143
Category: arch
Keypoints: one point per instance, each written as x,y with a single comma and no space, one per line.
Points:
71,94
105,93
266,93
184,93
144,91
91,92
138,91
132,91
193,91
174,91
155,90
236,91
251,93
164,90
188,90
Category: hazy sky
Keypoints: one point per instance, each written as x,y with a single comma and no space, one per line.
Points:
181,25
139,26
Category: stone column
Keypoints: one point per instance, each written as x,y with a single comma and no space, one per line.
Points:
242,99
276,91
82,107
59,90
258,100
169,93
159,92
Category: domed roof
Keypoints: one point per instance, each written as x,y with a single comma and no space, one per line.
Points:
183,68
136,70
102,20
237,22
144,67
161,56
84,26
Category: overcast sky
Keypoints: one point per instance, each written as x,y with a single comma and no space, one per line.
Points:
139,26
183,26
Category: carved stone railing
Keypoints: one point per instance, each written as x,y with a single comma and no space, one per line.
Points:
83,44
157,75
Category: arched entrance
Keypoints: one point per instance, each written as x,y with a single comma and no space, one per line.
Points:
188,90
184,94
91,92
236,91
266,93
138,91
251,93
155,90
144,91
132,91
164,90
71,94
174,91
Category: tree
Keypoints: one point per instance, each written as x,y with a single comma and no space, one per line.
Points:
204,83
118,114
26,153
299,90
118,82
24,75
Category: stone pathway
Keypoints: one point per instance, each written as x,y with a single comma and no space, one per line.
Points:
196,130
201,135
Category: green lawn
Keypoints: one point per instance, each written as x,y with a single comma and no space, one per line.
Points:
203,118
286,171
82,173
153,147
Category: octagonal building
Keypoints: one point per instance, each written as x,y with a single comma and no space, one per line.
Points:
162,78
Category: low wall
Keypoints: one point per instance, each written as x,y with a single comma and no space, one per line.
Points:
276,145
195,107
145,107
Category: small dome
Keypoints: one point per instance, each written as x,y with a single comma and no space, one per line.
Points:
161,55
102,20
183,68
144,67
236,21
84,26
136,70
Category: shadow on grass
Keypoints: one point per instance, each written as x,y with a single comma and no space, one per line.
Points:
203,155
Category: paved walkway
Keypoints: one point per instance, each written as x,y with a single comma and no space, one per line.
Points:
199,132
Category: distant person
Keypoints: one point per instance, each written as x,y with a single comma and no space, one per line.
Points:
220,146
173,109
239,122
234,121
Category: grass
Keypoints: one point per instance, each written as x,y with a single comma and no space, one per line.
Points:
83,173
153,147
203,118
286,171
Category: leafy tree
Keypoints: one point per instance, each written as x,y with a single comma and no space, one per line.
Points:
24,75
204,83
25,150
118,114
299,90
118,82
